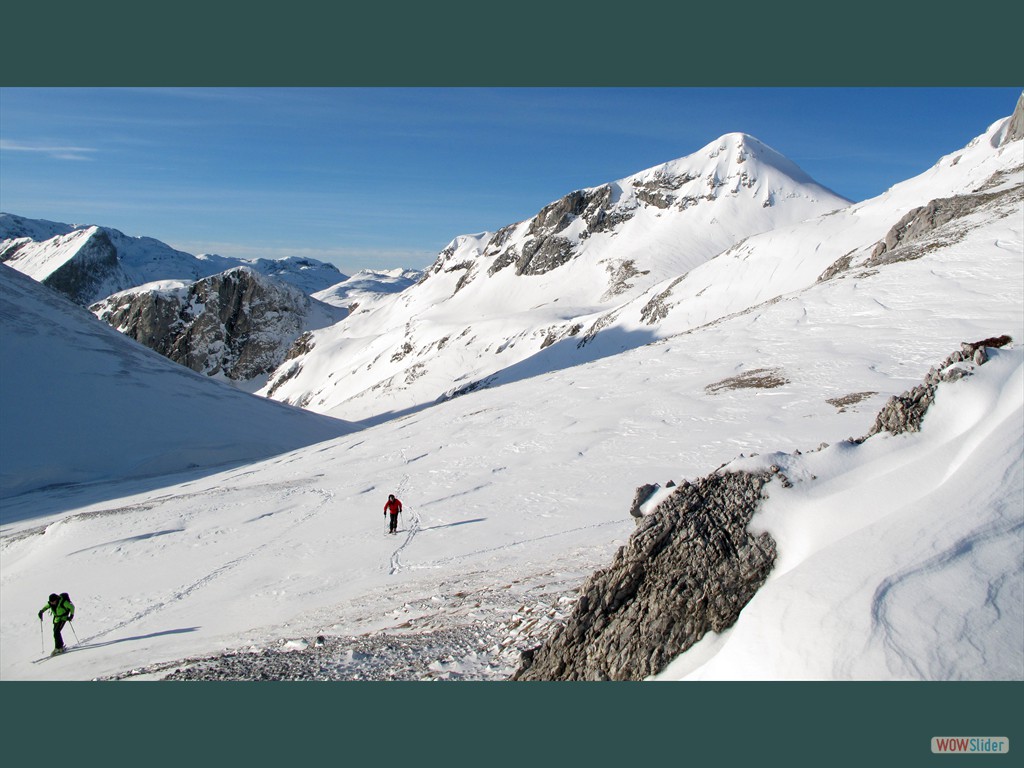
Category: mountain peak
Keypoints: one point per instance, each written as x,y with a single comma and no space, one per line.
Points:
733,155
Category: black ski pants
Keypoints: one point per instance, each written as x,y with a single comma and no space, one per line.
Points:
394,522
58,641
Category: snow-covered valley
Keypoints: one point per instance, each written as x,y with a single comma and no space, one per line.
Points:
899,558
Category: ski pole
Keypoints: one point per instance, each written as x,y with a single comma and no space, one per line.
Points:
42,637
77,641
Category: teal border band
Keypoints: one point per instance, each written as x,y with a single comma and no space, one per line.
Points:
591,724
530,43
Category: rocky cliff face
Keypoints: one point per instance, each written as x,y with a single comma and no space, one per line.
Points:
1015,130
238,324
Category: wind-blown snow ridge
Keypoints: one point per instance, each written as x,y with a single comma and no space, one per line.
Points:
929,533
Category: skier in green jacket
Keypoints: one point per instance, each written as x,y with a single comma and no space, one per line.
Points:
63,611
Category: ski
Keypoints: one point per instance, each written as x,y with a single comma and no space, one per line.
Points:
52,656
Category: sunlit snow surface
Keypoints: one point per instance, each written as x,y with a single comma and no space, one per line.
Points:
899,559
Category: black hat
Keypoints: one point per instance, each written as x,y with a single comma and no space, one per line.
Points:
53,598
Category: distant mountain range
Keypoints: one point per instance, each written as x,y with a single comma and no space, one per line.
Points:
89,263
226,317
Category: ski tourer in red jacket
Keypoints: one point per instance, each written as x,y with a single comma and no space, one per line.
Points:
393,507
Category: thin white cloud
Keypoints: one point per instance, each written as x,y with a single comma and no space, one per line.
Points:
55,152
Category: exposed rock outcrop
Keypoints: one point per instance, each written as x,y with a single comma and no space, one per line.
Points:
546,249
921,223
937,224
238,323
688,569
905,412
641,497
692,564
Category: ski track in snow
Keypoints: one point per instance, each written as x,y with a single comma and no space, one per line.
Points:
414,527
156,607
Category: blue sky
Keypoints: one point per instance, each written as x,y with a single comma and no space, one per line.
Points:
386,177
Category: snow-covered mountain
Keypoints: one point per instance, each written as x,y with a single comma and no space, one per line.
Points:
238,324
425,346
364,288
308,275
89,263
897,558
492,300
84,404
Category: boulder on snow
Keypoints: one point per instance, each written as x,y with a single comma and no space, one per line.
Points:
643,494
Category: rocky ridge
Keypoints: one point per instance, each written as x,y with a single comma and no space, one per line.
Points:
687,570
905,412
692,564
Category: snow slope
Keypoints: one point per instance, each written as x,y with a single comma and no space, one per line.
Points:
900,559
515,493
84,404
